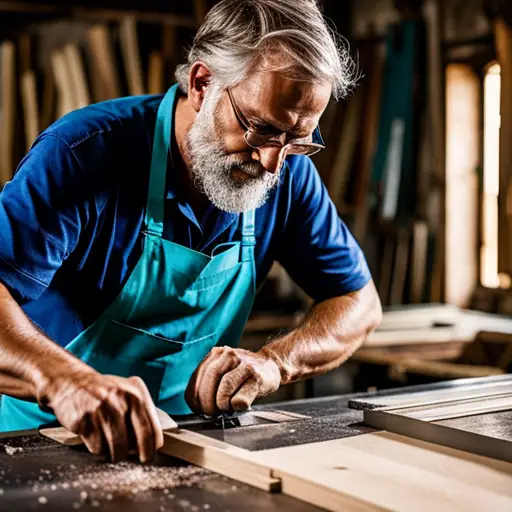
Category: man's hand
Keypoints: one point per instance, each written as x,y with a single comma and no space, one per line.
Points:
231,379
110,413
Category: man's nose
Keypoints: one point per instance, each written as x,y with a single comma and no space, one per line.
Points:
270,157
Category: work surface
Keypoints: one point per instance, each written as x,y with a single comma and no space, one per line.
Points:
38,474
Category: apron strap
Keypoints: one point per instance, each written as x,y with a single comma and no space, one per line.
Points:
248,235
154,218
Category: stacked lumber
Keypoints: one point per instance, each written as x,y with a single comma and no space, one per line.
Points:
435,323
485,405
106,61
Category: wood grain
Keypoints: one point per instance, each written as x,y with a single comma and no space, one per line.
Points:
131,56
8,110
77,76
383,471
30,107
222,458
104,76
455,408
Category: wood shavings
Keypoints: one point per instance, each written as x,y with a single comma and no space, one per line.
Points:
11,450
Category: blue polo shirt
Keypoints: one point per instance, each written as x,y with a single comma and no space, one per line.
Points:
71,220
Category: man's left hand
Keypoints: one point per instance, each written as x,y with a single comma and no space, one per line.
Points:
231,379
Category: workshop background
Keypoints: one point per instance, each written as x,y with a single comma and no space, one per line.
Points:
418,160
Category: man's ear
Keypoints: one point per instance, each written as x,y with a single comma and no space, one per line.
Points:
198,81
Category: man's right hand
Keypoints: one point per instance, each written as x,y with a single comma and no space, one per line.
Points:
110,413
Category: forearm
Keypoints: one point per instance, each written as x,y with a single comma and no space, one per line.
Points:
329,335
28,359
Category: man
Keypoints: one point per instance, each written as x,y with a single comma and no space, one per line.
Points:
135,232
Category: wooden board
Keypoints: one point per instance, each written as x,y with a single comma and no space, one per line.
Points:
442,393
7,110
66,98
30,107
221,458
131,56
104,76
503,42
383,471
457,408
437,432
432,10
77,76
156,73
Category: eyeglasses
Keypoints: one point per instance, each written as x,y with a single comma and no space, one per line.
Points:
257,139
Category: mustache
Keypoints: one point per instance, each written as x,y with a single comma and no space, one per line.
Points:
252,168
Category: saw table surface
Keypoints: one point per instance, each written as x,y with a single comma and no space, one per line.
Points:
38,474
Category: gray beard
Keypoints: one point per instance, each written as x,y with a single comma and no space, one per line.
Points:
212,169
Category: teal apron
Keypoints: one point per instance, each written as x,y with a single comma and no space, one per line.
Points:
175,307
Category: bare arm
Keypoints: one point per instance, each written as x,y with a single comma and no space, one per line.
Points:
330,334
34,368
334,329
29,359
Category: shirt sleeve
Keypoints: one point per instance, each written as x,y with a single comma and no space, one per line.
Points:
42,211
317,249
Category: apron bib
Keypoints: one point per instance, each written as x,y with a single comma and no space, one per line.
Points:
175,307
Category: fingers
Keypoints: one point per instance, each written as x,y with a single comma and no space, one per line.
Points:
91,432
113,424
143,430
229,385
245,396
204,385
156,427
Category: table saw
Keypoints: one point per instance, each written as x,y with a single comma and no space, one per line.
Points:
325,457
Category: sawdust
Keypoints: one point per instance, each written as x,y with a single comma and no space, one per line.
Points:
11,450
105,481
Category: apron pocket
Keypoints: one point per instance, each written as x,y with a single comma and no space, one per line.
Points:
133,342
128,351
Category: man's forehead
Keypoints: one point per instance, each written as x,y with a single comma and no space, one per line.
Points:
282,102
273,89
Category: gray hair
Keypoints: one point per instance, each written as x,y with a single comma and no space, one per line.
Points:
238,34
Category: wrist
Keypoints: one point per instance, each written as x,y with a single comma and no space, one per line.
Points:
284,370
55,378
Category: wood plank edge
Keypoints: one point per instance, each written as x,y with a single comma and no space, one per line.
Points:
440,434
221,458
442,402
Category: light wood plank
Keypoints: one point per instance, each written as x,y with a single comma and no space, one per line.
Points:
156,73
47,100
503,42
104,77
463,112
222,458
131,56
454,408
440,434
7,110
30,107
66,101
432,10
478,388
384,471
342,164
77,76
